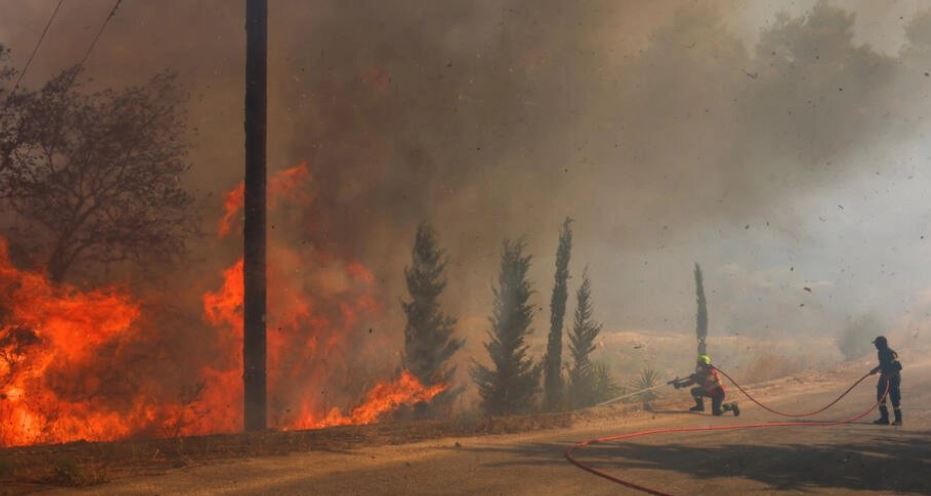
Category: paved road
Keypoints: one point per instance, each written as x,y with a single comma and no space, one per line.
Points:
853,459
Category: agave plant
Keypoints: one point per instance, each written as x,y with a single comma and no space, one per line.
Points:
648,378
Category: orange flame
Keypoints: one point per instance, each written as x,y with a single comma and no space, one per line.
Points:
317,300
380,400
49,337
69,359
303,335
231,206
284,185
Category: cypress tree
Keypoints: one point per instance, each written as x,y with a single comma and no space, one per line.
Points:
701,317
428,336
553,380
509,385
582,376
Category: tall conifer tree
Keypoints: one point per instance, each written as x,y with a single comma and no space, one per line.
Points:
512,381
429,340
553,386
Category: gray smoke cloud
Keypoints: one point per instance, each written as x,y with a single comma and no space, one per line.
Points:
781,151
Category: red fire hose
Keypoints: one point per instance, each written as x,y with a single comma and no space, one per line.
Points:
794,415
739,427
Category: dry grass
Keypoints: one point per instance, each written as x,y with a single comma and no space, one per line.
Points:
747,359
79,464
67,471
768,366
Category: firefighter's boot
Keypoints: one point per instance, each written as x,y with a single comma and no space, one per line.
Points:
883,416
699,405
733,407
898,416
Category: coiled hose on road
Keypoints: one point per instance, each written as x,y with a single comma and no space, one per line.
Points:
739,427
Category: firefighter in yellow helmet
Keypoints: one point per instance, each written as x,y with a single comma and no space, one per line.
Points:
707,385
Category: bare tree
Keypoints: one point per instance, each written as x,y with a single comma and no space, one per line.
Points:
96,176
6,118
15,340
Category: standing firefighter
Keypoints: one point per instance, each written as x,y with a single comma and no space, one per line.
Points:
889,383
708,384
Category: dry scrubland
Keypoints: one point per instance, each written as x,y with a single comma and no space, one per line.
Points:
748,359
29,469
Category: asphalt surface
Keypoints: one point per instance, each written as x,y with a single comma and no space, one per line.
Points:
852,459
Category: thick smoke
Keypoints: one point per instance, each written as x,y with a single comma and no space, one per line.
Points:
662,128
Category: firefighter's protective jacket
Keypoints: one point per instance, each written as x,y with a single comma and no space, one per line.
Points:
707,378
889,362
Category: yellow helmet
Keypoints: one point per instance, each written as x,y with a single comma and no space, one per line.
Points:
704,359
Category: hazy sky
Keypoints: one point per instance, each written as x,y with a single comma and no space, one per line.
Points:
662,128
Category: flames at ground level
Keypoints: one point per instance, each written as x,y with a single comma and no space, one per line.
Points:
98,365
56,342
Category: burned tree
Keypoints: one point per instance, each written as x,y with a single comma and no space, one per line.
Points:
428,335
96,177
511,383
15,341
701,316
582,373
6,117
552,373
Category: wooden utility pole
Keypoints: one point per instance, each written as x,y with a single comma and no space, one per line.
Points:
254,305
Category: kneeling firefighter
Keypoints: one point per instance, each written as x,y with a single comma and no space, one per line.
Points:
708,384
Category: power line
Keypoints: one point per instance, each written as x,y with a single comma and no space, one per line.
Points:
100,31
34,51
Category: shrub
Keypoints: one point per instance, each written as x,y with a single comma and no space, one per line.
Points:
604,387
67,471
647,378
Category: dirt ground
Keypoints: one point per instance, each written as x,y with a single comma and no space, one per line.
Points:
850,459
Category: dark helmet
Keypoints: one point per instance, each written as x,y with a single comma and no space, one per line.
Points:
881,342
